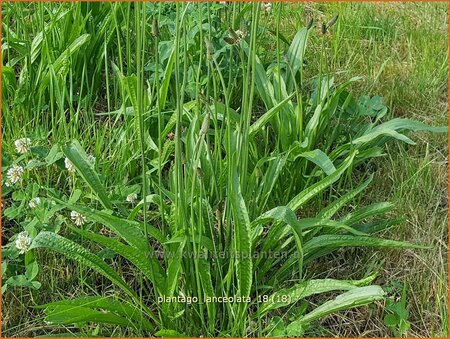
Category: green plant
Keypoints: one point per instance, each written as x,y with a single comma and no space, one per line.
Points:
397,315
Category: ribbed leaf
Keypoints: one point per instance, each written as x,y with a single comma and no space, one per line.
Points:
295,55
279,229
354,298
400,124
130,231
287,296
163,90
337,204
63,59
208,289
336,241
378,132
243,238
266,117
367,212
145,261
74,251
75,153
64,314
316,188
106,303
320,159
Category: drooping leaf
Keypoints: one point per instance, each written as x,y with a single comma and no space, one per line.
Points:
287,296
351,299
72,250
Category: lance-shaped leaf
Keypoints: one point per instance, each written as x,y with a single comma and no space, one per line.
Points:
75,153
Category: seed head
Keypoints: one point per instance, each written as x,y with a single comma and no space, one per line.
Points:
205,125
155,28
333,21
209,48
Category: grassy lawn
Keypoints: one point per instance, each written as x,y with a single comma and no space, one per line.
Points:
210,180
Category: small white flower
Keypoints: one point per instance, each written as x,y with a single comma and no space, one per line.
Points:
23,242
266,7
240,35
35,202
78,219
14,174
22,145
70,167
224,3
91,158
132,197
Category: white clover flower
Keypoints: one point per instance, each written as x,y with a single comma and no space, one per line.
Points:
240,35
78,219
70,167
23,242
35,202
22,145
266,7
91,158
132,197
14,174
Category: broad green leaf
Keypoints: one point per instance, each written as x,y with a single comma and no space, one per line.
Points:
320,159
287,296
367,212
242,238
335,241
337,204
63,59
295,55
279,230
378,132
400,124
351,299
165,333
75,153
173,272
105,303
145,261
316,188
130,231
64,314
74,251
208,289
163,90
263,85
265,118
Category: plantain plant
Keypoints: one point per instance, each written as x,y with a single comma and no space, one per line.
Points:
231,152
